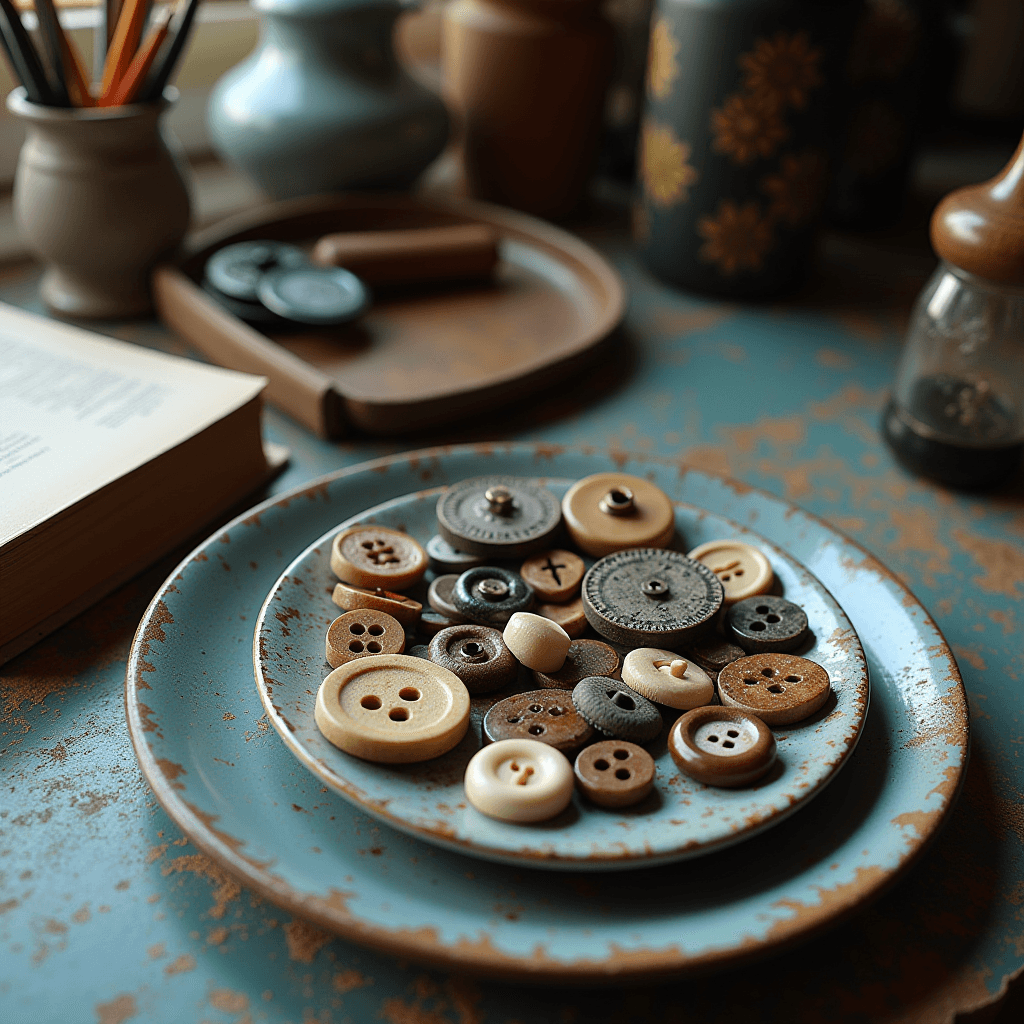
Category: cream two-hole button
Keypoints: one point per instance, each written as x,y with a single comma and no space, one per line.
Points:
393,709
519,780
743,570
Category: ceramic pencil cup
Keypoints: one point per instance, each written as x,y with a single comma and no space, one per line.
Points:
100,196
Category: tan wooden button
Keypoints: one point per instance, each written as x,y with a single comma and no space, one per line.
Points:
403,608
393,709
363,633
722,746
667,679
607,512
584,658
519,780
538,642
743,570
778,688
554,575
614,773
376,556
548,716
570,616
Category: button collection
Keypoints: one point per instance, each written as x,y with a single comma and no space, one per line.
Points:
673,632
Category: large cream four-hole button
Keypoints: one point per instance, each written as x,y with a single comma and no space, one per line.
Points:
519,780
393,708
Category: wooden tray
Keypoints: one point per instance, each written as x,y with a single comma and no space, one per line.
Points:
416,359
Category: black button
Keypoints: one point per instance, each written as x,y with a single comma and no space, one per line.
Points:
767,623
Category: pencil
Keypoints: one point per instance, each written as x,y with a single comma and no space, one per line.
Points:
75,75
50,30
126,90
123,46
157,81
24,58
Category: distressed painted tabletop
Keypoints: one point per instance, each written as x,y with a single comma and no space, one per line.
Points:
108,914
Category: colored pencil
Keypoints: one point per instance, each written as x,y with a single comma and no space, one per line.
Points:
24,59
75,75
127,89
50,30
157,81
122,46
63,55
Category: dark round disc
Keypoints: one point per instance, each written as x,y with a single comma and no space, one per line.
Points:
236,270
490,595
767,623
615,709
477,655
545,715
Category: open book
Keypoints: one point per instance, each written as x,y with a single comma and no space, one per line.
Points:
110,456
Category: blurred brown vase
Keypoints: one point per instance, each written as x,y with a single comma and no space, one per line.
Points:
527,79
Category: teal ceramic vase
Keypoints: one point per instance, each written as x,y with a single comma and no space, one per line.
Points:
322,104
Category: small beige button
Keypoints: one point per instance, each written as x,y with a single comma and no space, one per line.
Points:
570,616
376,556
743,570
403,608
607,512
363,633
536,641
554,575
393,709
666,678
519,780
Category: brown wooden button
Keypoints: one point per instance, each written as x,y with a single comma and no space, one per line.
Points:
431,623
439,597
722,746
545,715
614,773
570,616
477,655
555,576
778,688
608,512
403,608
712,654
742,568
362,633
376,556
585,658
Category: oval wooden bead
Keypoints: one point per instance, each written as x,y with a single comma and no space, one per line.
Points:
519,780
363,633
537,642
377,556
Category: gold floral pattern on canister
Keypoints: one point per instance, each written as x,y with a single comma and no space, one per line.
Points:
736,238
782,70
796,191
662,62
665,165
746,127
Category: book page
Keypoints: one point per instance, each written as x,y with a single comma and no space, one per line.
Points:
77,411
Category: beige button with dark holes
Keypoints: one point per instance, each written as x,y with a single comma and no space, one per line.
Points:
614,773
667,679
519,780
778,688
555,576
403,608
743,570
584,658
537,642
393,709
570,616
363,633
608,512
722,746
376,556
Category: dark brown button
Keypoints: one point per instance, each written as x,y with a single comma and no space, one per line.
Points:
545,715
439,597
477,655
713,654
585,658
721,746
614,773
403,608
431,623
362,633
766,623
555,576
778,688
569,616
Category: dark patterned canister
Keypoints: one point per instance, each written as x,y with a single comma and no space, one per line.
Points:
736,137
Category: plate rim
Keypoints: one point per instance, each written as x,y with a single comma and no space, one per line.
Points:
479,956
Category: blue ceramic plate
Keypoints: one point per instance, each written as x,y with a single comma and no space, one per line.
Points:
681,819
221,772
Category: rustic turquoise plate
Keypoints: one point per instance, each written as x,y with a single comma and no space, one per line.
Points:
224,776
680,819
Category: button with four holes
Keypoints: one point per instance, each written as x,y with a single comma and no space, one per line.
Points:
667,679
555,576
392,709
363,633
377,556
614,773
491,596
477,655
584,658
778,688
742,568
545,715
519,780
722,746
607,512
403,608
766,623
615,709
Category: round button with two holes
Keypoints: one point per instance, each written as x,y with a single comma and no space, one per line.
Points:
743,570
377,556
722,746
614,773
491,596
766,623
545,715
554,576
584,658
615,709
778,688
393,709
363,633
477,655
519,780
665,678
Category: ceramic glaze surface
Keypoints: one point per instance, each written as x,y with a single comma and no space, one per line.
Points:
683,819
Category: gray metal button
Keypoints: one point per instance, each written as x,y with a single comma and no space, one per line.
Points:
322,296
236,270
444,558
